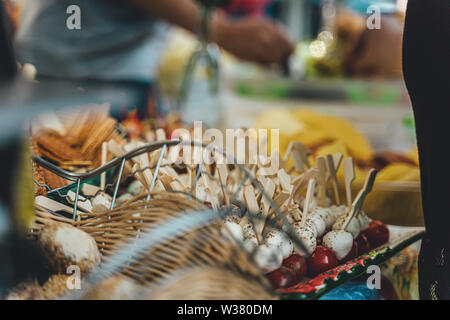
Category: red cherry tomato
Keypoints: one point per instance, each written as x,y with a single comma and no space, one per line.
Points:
296,264
363,243
377,233
281,278
322,259
353,252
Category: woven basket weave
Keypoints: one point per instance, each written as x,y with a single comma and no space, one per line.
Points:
206,253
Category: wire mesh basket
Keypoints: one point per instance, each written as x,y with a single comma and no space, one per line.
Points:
205,247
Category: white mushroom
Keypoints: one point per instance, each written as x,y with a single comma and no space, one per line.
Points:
65,245
232,218
364,220
340,241
278,239
307,237
308,225
267,258
353,226
338,210
318,221
327,215
235,230
250,244
249,231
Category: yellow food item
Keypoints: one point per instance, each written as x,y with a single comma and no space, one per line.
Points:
399,172
282,120
314,129
332,128
414,155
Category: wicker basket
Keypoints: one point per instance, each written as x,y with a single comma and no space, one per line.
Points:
226,271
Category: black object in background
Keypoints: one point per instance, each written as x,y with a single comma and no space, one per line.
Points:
20,259
426,68
8,66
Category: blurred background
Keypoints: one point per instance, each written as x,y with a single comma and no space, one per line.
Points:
341,90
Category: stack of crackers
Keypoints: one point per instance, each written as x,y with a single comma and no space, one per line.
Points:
72,141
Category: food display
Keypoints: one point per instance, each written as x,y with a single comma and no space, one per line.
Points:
397,187
290,225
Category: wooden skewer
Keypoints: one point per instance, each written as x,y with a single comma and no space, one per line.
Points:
308,200
89,189
104,155
337,159
222,171
285,180
211,190
301,149
332,172
52,205
303,181
82,203
359,200
281,198
269,188
140,176
253,208
321,176
288,151
349,176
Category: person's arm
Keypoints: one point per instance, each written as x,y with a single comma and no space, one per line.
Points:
257,40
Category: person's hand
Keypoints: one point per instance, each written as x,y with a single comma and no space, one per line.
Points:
376,52
257,40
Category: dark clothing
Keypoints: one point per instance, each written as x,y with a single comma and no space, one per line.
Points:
426,68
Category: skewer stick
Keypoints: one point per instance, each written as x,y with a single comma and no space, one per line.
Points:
83,203
281,198
308,200
321,176
288,151
269,188
332,172
52,205
139,175
337,159
223,176
89,189
117,151
297,159
303,181
211,190
359,200
104,155
285,180
349,176
253,208
303,152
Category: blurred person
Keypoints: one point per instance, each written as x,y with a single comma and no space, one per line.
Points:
112,32
121,41
370,52
426,68
247,7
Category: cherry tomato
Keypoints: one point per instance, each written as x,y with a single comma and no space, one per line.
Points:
363,243
322,259
296,264
377,233
281,278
